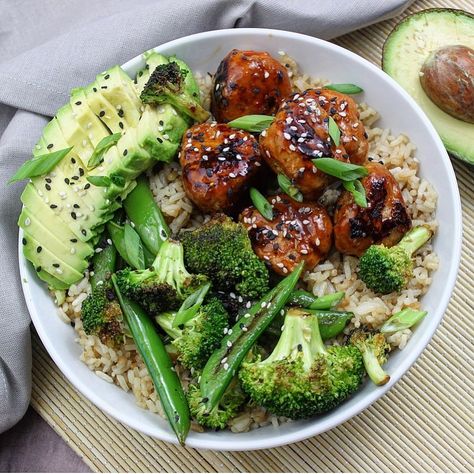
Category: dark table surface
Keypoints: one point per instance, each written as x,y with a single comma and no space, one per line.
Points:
33,446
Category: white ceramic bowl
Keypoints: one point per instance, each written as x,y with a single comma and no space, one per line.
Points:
399,112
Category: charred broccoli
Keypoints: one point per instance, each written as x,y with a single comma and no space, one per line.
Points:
101,315
221,249
166,85
164,286
374,351
302,377
197,338
387,269
227,408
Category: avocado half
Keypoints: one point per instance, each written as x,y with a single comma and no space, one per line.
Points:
406,49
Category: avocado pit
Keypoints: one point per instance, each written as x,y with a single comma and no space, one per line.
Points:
447,77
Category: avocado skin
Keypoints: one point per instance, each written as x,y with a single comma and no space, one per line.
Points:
455,134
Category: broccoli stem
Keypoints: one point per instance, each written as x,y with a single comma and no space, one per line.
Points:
298,324
414,239
373,368
185,104
165,321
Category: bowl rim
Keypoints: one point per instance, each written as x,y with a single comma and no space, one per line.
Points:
229,443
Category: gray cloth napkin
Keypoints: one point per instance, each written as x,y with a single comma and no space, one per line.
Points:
49,47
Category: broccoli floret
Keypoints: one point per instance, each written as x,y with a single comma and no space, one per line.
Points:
302,377
387,269
166,85
164,286
374,349
101,315
196,339
222,249
227,408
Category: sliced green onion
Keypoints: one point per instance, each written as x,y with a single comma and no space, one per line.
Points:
345,88
118,180
39,166
357,190
340,169
334,131
261,203
98,153
252,123
288,188
191,305
100,181
404,319
327,302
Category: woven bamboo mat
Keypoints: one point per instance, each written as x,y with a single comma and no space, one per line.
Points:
423,424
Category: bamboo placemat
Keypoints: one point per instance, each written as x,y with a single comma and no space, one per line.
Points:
423,424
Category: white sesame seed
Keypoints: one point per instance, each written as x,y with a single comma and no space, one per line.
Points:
257,164
266,75
59,271
292,147
289,119
226,366
204,157
232,175
224,360
306,222
245,139
239,157
166,136
244,328
263,304
247,315
317,241
217,86
264,133
232,136
226,330
280,265
287,136
230,332
284,270
229,343
73,250
304,251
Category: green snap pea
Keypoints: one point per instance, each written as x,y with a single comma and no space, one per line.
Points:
305,299
225,361
159,365
103,264
146,216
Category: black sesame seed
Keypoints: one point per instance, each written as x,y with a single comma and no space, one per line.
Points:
101,113
78,102
76,206
73,240
73,215
125,152
209,172
107,76
299,347
94,89
48,180
39,248
332,110
81,172
23,241
38,269
159,140
87,186
121,125
205,400
365,135
241,325
73,324
75,178
66,180
161,122
103,87
84,232
120,113
56,265
53,206
48,187
140,73
73,161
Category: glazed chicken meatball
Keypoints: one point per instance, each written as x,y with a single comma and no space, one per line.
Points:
385,220
343,109
299,134
299,231
248,82
218,162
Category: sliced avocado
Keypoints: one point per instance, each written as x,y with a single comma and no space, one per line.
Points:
152,60
118,89
51,281
46,238
84,116
73,133
54,137
103,109
406,49
160,131
47,261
